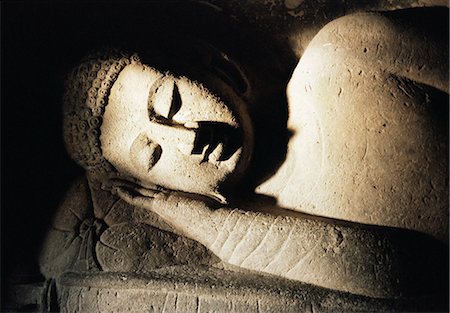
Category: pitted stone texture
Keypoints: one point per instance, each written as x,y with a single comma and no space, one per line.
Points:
209,290
86,94
369,146
173,132
108,234
370,117
367,260
139,248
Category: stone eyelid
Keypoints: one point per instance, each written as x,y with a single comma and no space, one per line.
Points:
174,104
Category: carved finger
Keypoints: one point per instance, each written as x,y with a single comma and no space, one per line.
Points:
123,183
144,191
133,198
148,192
135,184
113,180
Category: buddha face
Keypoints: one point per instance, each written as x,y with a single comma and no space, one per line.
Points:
172,132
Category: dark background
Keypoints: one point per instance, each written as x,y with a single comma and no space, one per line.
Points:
41,41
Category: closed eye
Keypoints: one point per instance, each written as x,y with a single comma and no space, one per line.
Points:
175,104
164,99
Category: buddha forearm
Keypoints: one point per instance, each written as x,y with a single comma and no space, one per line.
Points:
368,260
365,260
305,250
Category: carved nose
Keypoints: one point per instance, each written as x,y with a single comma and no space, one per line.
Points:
178,136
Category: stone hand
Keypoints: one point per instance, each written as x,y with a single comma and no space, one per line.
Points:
137,195
113,180
176,208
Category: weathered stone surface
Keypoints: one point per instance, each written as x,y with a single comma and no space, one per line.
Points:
160,146
170,131
369,117
186,289
117,237
367,260
138,248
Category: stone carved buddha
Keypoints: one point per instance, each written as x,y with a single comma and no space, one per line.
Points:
160,149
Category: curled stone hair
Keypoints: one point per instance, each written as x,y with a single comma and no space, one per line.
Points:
86,95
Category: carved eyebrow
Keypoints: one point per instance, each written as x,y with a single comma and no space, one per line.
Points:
151,94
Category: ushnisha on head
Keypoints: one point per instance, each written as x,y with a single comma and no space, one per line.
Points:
122,116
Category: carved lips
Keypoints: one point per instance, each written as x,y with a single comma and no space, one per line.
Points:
216,141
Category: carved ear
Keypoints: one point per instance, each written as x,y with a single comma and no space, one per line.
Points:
218,63
229,72
144,153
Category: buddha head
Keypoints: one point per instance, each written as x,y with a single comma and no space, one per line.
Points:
189,132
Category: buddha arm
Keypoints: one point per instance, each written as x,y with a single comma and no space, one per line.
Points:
364,260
